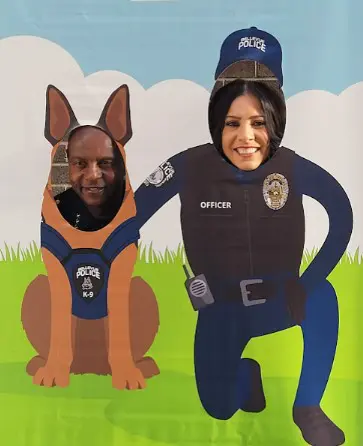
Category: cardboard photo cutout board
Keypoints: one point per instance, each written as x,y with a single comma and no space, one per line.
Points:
89,314
277,369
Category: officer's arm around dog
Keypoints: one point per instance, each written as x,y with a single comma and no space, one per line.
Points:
159,187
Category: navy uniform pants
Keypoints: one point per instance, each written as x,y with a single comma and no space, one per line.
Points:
224,329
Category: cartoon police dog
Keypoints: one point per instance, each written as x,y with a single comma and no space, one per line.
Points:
243,226
89,315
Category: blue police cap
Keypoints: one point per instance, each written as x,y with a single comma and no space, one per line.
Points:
251,44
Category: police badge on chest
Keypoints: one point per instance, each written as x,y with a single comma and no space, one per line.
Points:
275,191
88,280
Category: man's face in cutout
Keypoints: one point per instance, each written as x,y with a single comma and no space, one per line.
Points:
93,172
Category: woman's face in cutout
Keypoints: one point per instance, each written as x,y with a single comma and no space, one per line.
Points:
245,140
92,171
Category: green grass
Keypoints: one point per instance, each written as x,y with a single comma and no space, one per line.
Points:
91,413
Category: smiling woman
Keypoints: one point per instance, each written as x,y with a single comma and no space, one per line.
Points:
247,122
96,175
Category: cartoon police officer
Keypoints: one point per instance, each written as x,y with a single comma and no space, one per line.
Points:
243,227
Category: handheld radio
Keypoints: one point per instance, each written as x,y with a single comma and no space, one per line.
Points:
198,290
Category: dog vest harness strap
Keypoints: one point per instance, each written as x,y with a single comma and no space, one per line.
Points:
124,235
54,242
88,268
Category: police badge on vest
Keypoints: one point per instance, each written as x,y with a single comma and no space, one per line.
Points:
89,281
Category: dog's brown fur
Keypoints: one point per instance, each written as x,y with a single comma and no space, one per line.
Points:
65,344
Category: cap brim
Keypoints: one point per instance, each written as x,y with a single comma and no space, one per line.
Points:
223,68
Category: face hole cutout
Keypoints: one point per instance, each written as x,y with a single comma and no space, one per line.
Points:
247,121
88,178
246,70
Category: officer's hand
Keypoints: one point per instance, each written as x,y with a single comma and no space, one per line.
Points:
52,375
127,376
295,296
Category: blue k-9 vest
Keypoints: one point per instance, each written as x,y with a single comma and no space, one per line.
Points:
88,269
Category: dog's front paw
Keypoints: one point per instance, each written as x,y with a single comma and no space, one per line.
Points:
127,377
51,376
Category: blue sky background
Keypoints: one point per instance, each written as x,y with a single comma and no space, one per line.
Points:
153,40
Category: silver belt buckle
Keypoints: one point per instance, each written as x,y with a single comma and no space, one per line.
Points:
246,301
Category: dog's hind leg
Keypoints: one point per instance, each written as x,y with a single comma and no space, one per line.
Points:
144,325
35,317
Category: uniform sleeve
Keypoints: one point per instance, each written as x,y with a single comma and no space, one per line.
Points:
318,184
159,187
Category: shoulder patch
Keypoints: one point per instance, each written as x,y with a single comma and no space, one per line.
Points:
275,191
161,175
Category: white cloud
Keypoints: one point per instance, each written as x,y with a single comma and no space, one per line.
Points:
325,128
167,118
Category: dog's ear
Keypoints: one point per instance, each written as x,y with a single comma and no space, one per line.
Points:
115,117
59,116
